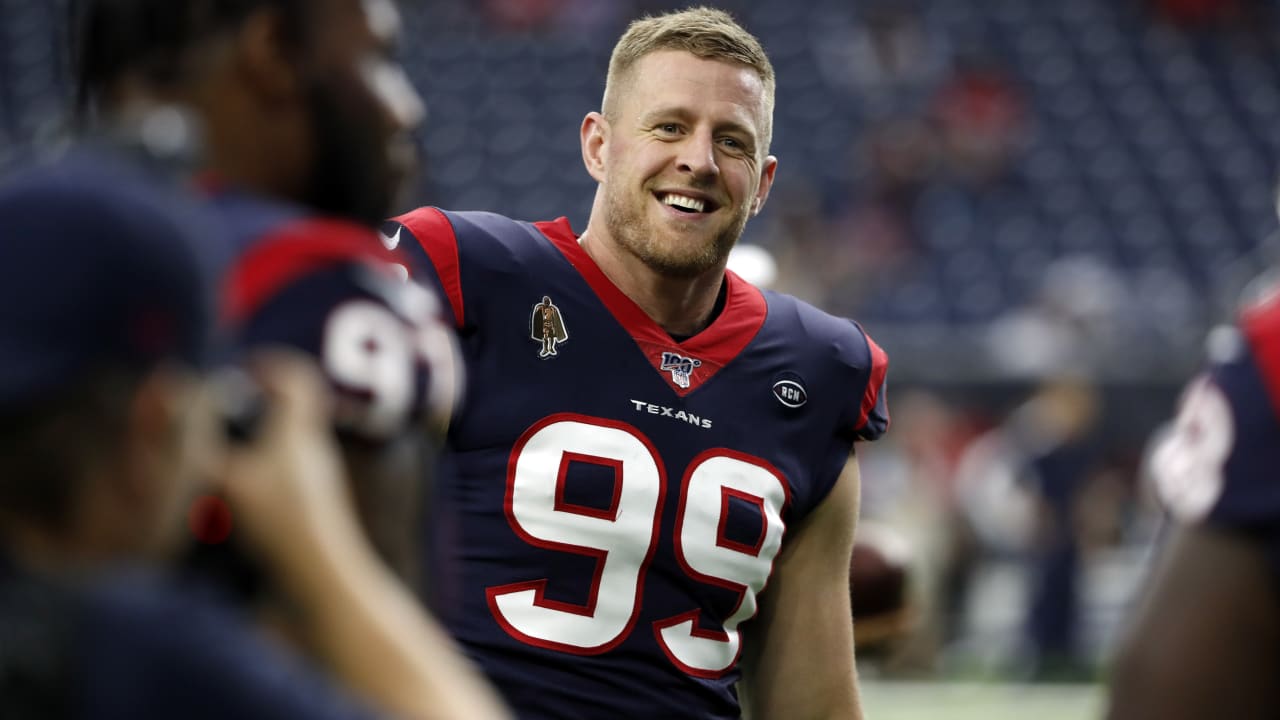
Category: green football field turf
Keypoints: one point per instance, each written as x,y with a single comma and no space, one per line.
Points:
884,700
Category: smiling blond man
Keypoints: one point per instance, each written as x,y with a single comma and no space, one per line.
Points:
665,506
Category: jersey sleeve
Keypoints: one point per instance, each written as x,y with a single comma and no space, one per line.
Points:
147,653
1217,464
428,239
379,338
873,408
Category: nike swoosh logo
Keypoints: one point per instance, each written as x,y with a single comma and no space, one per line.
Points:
390,241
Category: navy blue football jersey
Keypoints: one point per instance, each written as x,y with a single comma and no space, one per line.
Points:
335,291
612,500
1218,465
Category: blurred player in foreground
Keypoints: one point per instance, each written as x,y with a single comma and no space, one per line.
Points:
649,440
299,118
107,429
1206,640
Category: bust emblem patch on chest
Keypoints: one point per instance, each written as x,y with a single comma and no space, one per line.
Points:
790,391
547,327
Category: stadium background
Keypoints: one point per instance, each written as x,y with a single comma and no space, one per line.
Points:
1039,209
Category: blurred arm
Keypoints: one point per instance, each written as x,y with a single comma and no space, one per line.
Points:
1206,641
798,661
388,488
290,496
375,635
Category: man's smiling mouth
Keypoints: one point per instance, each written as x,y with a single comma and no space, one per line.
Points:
686,203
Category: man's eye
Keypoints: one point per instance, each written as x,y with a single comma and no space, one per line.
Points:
669,128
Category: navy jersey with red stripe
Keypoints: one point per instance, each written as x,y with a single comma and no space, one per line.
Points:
1221,462
612,501
335,291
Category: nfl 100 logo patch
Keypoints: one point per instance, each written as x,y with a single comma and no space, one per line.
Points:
680,367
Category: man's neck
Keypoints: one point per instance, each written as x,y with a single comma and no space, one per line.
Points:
681,306
244,150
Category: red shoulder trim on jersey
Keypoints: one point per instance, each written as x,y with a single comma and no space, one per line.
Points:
289,253
743,315
871,396
435,234
1261,325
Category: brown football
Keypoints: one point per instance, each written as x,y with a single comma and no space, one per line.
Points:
878,586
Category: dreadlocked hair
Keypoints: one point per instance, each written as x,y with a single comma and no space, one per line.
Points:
152,39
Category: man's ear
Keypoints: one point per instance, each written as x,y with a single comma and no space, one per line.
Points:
264,58
766,184
153,429
594,136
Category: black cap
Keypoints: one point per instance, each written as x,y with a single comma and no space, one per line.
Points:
99,267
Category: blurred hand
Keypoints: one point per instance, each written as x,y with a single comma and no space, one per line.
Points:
288,492
287,488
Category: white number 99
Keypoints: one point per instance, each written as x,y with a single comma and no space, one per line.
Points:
370,352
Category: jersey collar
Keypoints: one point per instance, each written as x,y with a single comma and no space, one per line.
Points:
687,365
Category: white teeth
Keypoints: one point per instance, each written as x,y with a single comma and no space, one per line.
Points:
682,201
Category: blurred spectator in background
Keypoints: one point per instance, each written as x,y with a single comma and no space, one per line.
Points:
797,235
1080,313
888,56
982,120
948,138
875,234
521,15
1195,14
1246,24
1021,488
833,256
1057,430
583,18
914,500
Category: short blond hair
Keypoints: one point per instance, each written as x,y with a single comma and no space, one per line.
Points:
701,31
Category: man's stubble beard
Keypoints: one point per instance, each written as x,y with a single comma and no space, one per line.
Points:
630,228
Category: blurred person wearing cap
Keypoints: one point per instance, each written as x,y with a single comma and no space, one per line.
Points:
651,489
108,427
1205,638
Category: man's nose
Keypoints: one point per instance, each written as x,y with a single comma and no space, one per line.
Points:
698,155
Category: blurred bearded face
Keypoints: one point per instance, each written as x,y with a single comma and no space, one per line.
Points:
362,112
